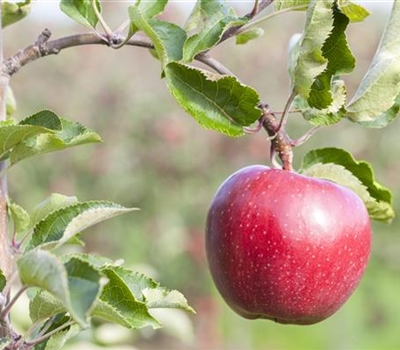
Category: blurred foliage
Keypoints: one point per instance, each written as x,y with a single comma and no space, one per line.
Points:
156,157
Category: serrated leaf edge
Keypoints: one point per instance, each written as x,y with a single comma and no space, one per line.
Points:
94,202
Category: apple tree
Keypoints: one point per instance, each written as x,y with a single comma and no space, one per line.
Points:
270,230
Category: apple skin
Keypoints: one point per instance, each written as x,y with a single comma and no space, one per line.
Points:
286,247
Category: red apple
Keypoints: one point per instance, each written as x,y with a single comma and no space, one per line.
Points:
286,247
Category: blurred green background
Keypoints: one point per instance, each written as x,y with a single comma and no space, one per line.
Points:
157,158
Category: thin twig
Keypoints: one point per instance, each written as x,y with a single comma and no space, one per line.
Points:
28,333
25,237
122,27
255,9
46,326
101,20
4,313
32,52
48,335
286,110
306,136
268,17
214,64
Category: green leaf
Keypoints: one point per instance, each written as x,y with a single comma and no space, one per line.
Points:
339,166
135,281
248,35
386,117
310,62
73,287
217,102
12,134
211,18
171,38
354,12
144,10
52,203
150,292
3,281
81,11
45,118
283,5
150,9
61,225
129,295
72,134
328,116
8,122
376,96
45,305
84,286
14,11
340,61
11,103
19,216
58,339
118,304
95,260
161,298
42,269
168,38
76,240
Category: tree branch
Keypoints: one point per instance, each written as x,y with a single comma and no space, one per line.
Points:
43,47
214,64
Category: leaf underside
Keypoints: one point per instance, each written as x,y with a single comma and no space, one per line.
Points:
339,166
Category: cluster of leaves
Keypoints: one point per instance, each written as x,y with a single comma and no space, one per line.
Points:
67,290
216,101
318,58
43,132
320,55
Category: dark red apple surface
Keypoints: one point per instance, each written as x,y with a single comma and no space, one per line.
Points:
286,247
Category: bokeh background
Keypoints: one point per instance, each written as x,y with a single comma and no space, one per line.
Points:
157,158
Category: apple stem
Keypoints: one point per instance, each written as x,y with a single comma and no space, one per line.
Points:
285,114
306,136
281,143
